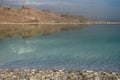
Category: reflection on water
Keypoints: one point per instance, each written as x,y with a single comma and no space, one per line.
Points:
27,31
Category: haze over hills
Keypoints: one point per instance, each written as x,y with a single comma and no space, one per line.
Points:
29,14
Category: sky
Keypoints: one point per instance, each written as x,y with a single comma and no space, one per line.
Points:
107,10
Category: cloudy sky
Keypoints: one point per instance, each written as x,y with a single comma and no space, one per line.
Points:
95,9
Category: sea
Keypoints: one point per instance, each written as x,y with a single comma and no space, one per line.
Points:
93,47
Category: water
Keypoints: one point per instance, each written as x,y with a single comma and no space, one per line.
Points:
95,47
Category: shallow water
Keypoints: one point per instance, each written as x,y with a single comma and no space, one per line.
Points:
95,47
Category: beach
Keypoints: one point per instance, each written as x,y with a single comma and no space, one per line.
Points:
34,74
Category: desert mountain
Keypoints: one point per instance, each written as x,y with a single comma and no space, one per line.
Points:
28,14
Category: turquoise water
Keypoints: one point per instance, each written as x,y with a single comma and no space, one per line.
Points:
95,47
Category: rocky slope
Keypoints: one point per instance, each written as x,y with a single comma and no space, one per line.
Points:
28,14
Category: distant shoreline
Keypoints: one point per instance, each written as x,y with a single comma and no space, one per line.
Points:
65,23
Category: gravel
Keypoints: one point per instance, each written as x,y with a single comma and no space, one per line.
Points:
34,74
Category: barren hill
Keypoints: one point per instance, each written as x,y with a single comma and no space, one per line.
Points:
28,14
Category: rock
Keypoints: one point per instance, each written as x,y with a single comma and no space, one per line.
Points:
33,74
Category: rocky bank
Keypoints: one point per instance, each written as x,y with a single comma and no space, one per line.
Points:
33,74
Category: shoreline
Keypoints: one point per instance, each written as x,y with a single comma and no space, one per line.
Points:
34,74
63,23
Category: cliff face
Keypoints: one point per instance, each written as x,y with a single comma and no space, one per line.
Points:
28,14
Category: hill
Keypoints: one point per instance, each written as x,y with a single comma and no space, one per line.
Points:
26,14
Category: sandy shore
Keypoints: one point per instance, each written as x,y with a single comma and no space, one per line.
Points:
33,74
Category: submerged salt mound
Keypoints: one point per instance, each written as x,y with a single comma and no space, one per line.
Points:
33,74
